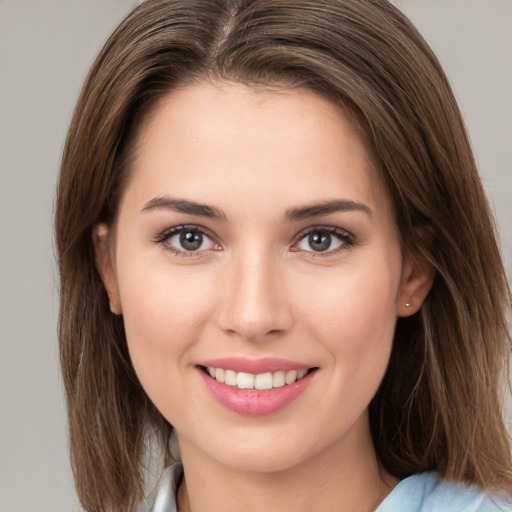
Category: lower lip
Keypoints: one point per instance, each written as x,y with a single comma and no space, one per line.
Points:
253,402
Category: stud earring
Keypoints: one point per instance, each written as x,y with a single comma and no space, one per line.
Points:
408,304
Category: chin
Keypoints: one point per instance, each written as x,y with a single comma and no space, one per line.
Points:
262,451
260,460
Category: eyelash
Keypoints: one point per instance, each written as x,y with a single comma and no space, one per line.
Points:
163,239
347,240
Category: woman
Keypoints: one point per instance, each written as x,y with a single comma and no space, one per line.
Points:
274,246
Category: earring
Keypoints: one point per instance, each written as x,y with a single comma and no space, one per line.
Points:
408,304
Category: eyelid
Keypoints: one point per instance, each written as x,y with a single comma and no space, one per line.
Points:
345,236
348,239
163,237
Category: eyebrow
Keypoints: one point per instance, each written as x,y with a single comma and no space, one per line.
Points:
184,206
291,215
326,208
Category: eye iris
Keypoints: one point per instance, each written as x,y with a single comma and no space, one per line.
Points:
191,240
319,241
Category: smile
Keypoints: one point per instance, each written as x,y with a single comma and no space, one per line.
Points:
260,381
255,387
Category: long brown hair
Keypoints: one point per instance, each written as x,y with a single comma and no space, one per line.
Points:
439,406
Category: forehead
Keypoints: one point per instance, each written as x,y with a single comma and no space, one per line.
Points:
220,139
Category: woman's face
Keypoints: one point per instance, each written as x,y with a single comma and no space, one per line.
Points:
254,241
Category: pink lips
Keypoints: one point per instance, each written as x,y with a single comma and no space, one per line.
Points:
253,402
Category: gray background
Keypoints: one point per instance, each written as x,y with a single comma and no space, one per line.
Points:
46,47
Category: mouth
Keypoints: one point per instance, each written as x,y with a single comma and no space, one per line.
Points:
257,382
231,383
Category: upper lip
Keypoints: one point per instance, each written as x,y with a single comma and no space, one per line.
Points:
254,366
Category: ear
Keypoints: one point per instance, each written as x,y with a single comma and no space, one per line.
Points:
417,279
105,265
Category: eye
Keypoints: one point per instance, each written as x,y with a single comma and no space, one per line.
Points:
187,240
325,240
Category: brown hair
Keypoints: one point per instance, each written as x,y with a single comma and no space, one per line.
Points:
438,407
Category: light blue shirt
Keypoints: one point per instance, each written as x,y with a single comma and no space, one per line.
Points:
427,493
418,493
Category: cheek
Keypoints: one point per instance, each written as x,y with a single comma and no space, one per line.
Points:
164,313
356,329
353,314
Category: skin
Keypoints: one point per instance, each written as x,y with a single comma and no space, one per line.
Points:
257,288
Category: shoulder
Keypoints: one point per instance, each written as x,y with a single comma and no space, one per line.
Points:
163,497
428,493
418,493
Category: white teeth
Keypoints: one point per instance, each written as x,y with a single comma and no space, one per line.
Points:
290,377
245,380
220,374
261,381
278,380
230,378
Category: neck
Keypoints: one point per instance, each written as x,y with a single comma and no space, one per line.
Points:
342,478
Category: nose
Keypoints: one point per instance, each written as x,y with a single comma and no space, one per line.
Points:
255,305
